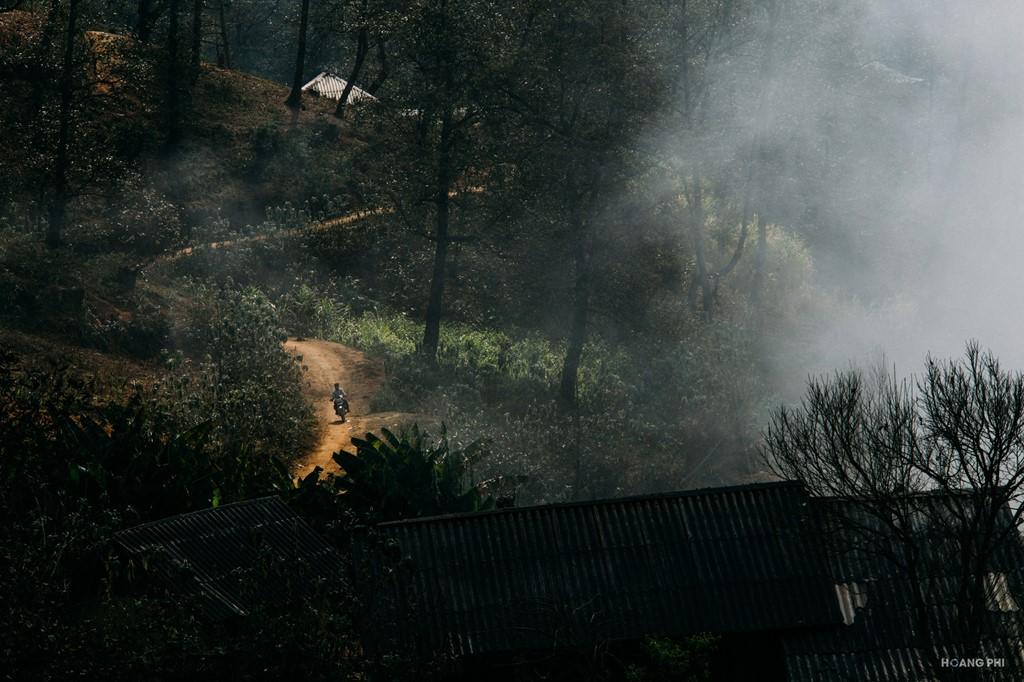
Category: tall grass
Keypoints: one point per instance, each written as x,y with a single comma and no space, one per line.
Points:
654,416
466,352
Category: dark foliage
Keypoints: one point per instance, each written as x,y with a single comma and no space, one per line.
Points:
400,477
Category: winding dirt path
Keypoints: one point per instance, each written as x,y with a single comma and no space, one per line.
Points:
361,377
316,226
319,226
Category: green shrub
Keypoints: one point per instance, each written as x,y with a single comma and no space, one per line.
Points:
138,220
238,374
64,450
674,660
409,475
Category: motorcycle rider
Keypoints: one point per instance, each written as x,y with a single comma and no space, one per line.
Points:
340,400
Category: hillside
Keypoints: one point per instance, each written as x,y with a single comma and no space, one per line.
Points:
571,263
237,131
131,199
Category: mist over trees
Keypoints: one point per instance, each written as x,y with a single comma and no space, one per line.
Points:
591,246
642,177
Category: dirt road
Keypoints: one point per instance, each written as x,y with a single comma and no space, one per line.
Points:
361,377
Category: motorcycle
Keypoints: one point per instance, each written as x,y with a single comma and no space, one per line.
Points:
340,407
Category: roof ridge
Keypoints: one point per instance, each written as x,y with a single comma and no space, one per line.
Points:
676,494
185,515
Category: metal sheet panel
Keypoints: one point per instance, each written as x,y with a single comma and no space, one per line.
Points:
726,560
879,644
216,555
332,86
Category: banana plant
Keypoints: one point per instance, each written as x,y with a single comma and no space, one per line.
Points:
402,476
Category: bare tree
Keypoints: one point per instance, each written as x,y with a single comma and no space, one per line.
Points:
932,472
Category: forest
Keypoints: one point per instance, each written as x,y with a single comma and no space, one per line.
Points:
553,253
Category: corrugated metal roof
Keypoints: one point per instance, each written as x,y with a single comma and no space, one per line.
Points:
724,560
879,644
220,555
330,85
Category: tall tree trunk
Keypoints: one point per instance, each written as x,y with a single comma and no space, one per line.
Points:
383,69
144,21
702,283
197,37
577,444
173,95
432,326
40,75
295,97
223,56
684,36
767,74
569,385
362,48
58,209
737,253
760,256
